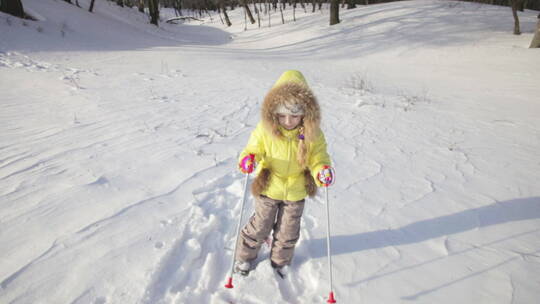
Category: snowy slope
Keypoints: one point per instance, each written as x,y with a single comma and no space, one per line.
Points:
119,143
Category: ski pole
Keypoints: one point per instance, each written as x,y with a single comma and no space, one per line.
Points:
331,295
229,281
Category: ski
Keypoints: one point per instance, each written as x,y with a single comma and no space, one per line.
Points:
281,274
243,273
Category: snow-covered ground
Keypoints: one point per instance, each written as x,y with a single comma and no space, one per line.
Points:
119,140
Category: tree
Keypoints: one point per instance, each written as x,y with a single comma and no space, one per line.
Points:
351,4
177,4
535,43
281,11
12,7
91,8
140,6
294,11
516,5
258,13
224,10
248,11
334,12
153,7
268,10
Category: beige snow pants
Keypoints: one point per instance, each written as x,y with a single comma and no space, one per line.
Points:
281,216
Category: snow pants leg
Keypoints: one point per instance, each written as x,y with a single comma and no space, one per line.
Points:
284,218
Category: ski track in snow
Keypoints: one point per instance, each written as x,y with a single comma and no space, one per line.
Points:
197,246
216,207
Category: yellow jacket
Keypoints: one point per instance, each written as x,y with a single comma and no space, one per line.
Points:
278,154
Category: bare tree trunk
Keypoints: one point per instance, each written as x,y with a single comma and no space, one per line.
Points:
219,13
210,16
269,11
141,6
12,7
258,13
303,6
351,4
91,8
281,10
224,10
227,20
535,43
522,4
248,12
178,7
334,12
515,6
245,20
153,7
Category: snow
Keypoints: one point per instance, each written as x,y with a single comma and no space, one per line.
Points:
118,180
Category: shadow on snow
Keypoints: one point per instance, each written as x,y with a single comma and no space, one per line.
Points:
498,213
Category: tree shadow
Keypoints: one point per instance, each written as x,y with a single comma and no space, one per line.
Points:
498,213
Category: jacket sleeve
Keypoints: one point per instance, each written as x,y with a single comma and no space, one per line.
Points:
318,157
255,145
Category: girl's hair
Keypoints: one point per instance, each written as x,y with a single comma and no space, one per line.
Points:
293,93
302,148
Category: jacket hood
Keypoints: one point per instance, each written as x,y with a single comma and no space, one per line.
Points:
291,89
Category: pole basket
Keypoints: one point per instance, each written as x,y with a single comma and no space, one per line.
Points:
230,285
331,298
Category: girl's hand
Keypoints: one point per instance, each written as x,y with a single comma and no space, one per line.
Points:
326,176
247,164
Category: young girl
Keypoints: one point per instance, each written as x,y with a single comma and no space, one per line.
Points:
290,152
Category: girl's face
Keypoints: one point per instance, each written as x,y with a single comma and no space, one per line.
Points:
289,121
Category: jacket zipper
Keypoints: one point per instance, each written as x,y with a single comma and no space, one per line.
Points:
288,167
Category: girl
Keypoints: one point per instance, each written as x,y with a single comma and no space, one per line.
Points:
290,152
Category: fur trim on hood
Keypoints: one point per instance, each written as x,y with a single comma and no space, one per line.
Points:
292,93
